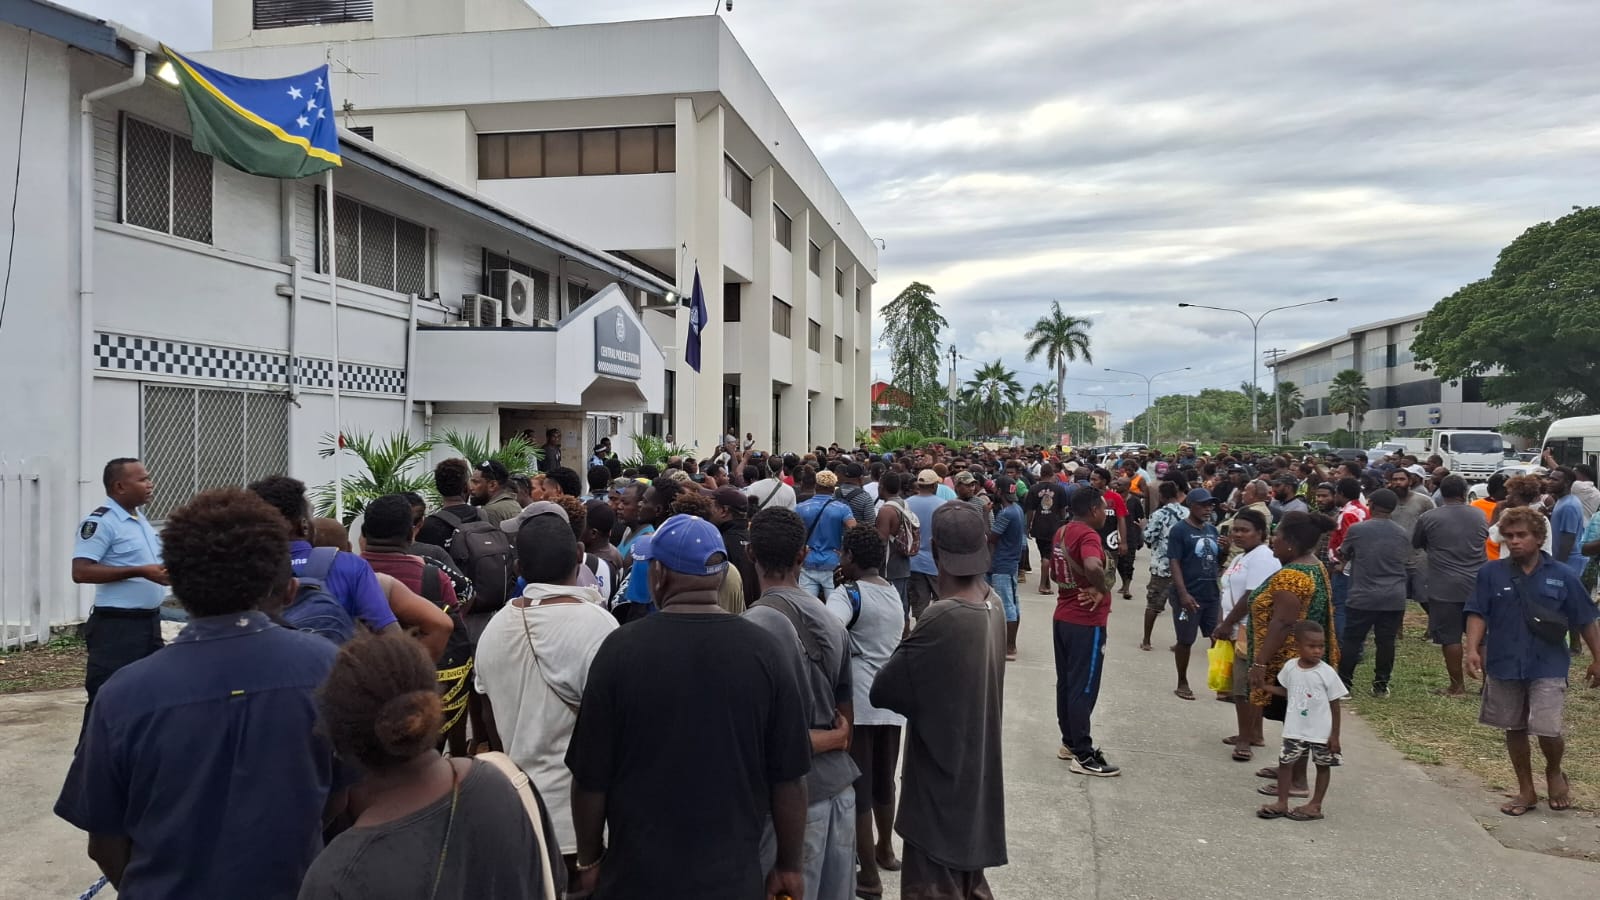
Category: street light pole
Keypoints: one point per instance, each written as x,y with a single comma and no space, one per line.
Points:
1149,404
1255,353
1277,402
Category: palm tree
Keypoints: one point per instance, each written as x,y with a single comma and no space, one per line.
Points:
394,464
1291,404
516,453
993,395
1348,394
1041,395
1060,339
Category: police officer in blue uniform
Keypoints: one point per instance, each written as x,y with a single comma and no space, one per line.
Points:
120,554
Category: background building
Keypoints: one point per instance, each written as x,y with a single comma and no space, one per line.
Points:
166,306
1404,400
655,140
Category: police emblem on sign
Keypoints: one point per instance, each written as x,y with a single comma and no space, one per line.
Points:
622,327
87,530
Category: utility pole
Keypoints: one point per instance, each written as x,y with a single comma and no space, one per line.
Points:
952,417
1277,402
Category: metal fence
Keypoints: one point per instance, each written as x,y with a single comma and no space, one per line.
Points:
27,526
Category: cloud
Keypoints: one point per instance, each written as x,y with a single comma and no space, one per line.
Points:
1124,155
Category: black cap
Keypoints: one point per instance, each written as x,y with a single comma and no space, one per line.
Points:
494,470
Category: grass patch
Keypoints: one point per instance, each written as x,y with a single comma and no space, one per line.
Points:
57,664
1436,730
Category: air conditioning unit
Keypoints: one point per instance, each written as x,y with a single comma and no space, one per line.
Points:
482,311
524,304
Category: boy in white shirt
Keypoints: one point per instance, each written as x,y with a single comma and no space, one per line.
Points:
1312,689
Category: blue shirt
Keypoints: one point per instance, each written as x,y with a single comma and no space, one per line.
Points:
1567,518
824,515
113,536
923,506
1013,534
352,582
1195,552
944,492
1511,652
207,756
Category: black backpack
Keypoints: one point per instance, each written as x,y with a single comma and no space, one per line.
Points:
484,554
315,610
458,649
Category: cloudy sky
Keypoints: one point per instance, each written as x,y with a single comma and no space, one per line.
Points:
1121,156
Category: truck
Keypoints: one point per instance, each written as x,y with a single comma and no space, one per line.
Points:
1474,455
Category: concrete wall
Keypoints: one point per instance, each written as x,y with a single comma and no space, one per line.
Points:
232,23
612,212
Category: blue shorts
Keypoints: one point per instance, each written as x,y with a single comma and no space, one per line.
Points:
1190,625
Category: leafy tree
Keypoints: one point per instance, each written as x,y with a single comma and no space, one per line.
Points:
1291,404
1037,421
1532,323
912,325
992,397
1060,339
1041,394
1213,414
1347,394
1082,427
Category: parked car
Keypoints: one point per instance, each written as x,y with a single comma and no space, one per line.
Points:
1344,454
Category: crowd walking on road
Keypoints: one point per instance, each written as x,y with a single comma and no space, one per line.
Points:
746,675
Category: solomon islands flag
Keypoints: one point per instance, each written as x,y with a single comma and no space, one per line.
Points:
276,127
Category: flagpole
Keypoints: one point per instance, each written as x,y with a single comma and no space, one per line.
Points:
333,304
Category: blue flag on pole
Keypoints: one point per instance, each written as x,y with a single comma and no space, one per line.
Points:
697,323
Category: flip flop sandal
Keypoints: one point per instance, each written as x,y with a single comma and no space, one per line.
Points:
1268,772
1242,754
1271,790
1299,816
1267,812
1516,810
1183,694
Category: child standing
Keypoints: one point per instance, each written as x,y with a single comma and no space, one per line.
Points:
1312,689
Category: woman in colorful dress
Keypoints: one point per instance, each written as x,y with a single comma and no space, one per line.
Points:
1299,590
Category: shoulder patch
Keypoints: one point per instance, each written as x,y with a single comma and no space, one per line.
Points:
87,529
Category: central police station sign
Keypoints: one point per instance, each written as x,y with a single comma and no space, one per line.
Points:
616,345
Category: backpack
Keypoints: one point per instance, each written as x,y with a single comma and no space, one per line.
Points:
484,554
808,641
852,590
907,539
609,582
458,649
315,610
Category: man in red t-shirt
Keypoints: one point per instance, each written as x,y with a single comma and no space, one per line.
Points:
1083,604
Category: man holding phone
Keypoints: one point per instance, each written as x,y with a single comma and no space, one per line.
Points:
1078,566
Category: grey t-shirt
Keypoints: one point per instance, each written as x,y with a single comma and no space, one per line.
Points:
824,684
1375,555
490,855
1406,515
1453,536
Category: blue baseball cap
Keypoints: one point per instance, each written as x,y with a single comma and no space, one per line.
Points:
685,544
1199,496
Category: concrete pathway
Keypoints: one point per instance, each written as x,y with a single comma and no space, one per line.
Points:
1179,823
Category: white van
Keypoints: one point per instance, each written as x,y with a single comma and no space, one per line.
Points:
1575,440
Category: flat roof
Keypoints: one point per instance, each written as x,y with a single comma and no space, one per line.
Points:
1359,329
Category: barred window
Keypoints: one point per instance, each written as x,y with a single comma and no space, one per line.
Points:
374,247
814,335
194,439
166,185
288,13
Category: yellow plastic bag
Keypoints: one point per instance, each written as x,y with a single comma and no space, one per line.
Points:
1220,676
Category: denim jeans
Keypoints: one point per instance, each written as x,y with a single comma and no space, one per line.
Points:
817,582
830,847
1006,587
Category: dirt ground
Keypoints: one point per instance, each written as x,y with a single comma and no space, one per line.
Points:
58,664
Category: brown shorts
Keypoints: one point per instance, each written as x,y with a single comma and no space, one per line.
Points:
921,878
1157,592
876,750
1533,705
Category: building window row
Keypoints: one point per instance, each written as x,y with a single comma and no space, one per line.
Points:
838,349
814,260
374,247
558,154
838,282
166,184
735,185
814,335
730,301
781,313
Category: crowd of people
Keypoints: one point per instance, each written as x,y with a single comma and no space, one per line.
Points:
700,679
